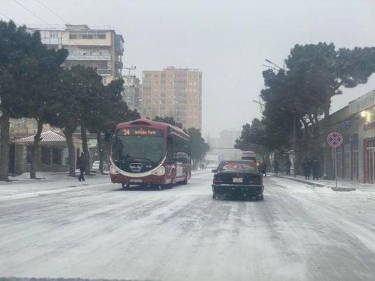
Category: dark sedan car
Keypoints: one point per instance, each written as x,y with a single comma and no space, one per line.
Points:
237,178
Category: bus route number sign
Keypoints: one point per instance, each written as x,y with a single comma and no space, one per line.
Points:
334,139
141,132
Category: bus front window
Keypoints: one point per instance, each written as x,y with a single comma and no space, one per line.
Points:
131,148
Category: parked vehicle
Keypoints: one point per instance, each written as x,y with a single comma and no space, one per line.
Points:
237,178
95,166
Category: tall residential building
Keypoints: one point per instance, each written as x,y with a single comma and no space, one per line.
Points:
100,47
173,92
131,93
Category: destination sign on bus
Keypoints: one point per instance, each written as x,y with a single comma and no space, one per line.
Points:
141,132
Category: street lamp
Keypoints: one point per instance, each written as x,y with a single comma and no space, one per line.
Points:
273,64
261,105
294,144
268,66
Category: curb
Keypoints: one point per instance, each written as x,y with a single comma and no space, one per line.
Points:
302,181
345,189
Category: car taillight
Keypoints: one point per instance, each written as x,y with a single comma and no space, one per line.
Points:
256,180
217,180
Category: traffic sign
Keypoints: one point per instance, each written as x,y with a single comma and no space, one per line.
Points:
334,139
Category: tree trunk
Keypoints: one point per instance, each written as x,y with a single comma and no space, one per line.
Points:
100,151
85,148
4,162
34,154
72,152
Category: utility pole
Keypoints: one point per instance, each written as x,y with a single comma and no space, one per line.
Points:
294,144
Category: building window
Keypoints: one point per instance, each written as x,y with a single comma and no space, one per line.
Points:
46,155
53,35
101,36
29,153
87,36
73,36
57,156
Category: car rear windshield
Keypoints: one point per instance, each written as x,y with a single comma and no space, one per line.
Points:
238,166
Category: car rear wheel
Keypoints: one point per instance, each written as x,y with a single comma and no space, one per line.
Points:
125,185
260,197
215,196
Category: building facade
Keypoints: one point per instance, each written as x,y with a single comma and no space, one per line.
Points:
132,92
355,157
224,145
347,154
173,92
100,48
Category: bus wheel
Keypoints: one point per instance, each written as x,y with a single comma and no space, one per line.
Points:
125,185
167,186
184,182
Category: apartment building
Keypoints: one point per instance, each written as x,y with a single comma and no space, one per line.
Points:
132,92
174,92
100,47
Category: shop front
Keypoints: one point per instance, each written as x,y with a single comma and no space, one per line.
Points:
52,153
363,110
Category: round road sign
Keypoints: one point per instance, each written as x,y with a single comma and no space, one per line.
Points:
334,139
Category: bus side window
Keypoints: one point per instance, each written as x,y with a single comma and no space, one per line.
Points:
170,150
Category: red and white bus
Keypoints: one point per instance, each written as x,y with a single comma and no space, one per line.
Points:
145,152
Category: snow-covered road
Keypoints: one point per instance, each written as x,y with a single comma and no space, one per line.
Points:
100,231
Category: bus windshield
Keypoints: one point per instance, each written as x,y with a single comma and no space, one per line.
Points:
138,147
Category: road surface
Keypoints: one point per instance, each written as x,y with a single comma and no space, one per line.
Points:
96,230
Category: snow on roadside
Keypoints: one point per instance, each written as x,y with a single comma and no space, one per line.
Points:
46,183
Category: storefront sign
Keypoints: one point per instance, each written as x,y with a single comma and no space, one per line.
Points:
369,126
362,103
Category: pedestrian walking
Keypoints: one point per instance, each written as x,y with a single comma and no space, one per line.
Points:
306,165
276,166
264,169
315,168
81,165
288,164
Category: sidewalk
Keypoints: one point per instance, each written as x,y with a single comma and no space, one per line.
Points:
342,185
22,186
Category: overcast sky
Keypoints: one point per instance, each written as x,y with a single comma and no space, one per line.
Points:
227,40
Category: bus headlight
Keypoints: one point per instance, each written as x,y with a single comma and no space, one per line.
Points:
159,171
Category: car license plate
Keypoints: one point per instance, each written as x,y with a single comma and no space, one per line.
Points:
135,180
238,180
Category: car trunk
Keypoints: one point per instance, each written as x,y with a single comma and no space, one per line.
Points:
239,178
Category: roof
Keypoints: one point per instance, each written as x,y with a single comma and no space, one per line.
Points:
48,136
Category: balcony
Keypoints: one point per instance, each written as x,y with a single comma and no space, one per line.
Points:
104,71
89,57
51,41
119,65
